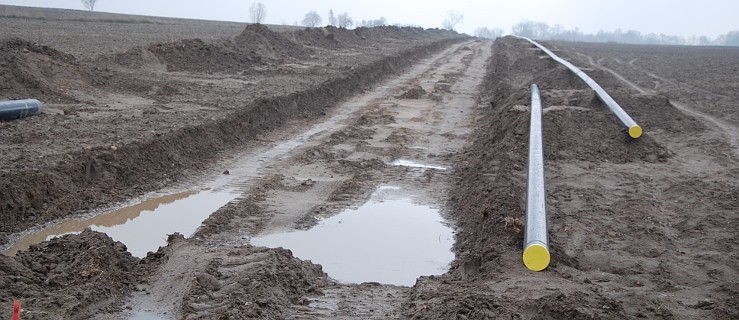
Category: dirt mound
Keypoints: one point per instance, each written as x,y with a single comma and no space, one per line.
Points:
254,283
656,112
269,44
400,33
199,56
135,58
255,45
64,276
331,37
384,32
583,134
29,70
318,37
345,36
414,92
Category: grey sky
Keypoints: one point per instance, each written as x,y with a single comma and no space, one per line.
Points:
683,18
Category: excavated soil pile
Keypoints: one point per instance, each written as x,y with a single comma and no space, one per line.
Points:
317,37
332,37
134,58
252,283
414,92
61,278
388,32
269,44
254,46
29,70
199,56
345,36
612,253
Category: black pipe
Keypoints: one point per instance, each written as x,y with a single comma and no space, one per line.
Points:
16,109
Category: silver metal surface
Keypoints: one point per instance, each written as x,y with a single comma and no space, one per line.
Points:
536,208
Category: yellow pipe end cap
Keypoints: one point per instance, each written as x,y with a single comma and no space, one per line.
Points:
635,131
536,257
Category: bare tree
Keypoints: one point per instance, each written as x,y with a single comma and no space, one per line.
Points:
532,30
345,21
332,18
484,32
452,19
89,4
257,11
312,19
373,23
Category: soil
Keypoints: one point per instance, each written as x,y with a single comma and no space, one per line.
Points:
75,274
637,228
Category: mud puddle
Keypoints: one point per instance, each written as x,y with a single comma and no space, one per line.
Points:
142,227
417,165
148,315
391,239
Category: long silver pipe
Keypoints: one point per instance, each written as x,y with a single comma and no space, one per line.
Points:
635,131
536,244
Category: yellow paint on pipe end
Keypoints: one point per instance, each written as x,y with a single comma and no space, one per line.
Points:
635,131
536,257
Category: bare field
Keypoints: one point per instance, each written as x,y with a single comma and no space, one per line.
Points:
304,126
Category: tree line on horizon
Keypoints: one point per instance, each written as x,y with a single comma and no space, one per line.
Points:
542,31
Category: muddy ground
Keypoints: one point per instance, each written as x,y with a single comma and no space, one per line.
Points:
638,228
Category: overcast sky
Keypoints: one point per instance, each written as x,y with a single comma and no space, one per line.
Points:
672,17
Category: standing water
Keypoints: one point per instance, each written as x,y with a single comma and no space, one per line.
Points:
390,240
142,227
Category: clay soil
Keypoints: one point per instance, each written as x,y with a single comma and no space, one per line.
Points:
638,228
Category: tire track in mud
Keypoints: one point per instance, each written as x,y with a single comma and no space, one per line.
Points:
332,168
430,130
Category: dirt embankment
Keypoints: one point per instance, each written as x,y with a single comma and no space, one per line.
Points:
623,245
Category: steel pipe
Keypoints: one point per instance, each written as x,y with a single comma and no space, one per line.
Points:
635,131
536,244
15,109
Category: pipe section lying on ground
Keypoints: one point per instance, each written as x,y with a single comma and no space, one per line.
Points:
635,131
536,244
15,109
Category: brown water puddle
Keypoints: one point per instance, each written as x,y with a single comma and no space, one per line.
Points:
142,227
